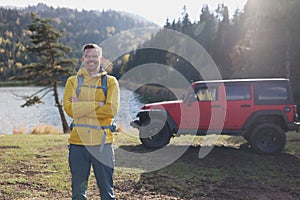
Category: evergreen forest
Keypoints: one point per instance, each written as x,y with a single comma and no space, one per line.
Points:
78,27
257,42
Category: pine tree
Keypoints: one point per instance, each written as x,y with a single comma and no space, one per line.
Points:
185,21
50,65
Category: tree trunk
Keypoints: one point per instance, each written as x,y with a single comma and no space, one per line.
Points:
64,122
287,48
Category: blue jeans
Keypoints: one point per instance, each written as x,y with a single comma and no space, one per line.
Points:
80,160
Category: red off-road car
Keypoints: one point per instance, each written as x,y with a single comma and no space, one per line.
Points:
260,110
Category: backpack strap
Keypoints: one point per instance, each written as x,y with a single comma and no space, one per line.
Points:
111,127
104,84
79,84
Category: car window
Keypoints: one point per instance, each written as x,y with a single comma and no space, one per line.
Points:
272,92
238,92
207,94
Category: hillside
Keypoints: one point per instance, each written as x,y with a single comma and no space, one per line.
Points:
79,26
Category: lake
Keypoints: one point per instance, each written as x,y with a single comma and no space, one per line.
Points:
12,116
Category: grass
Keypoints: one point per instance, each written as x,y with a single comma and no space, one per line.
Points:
35,167
13,83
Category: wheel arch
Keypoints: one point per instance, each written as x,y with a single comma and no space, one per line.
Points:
145,115
268,116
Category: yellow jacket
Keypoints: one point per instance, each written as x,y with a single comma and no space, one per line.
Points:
87,111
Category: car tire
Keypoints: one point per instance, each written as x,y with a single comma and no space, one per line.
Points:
155,134
268,138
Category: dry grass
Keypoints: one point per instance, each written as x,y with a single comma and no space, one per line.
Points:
38,130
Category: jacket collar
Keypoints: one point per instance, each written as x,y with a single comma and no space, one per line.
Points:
83,72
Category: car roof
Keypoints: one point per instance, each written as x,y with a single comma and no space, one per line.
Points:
242,80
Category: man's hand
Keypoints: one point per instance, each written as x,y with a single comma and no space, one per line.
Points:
73,99
101,103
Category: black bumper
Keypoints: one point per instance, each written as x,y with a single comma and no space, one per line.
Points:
135,124
294,127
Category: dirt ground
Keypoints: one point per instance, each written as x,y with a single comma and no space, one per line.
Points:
225,173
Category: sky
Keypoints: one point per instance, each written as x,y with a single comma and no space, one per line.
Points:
156,11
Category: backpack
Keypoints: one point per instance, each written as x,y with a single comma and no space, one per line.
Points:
80,79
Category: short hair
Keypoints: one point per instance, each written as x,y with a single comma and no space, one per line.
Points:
91,46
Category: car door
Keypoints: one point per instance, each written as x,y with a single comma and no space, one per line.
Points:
239,104
202,110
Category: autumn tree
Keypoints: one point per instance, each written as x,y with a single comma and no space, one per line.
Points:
50,64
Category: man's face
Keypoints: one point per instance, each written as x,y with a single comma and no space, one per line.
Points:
91,60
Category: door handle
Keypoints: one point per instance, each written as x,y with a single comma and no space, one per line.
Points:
215,106
246,105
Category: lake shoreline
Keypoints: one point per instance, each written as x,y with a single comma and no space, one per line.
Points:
26,119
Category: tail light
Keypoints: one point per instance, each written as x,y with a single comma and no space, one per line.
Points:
296,117
287,109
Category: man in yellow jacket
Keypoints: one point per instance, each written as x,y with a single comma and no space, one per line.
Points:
92,110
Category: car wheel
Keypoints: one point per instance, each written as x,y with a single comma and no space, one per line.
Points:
154,134
268,139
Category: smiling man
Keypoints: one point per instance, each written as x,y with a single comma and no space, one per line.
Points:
92,99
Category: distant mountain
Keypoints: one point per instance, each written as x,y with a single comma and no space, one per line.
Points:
79,26
41,7
139,18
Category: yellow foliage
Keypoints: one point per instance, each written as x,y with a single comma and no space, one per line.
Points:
19,131
4,41
57,20
45,129
19,65
126,58
110,30
9,34
21,46
18,21
26,32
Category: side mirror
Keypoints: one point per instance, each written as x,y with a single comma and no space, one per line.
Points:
191,99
